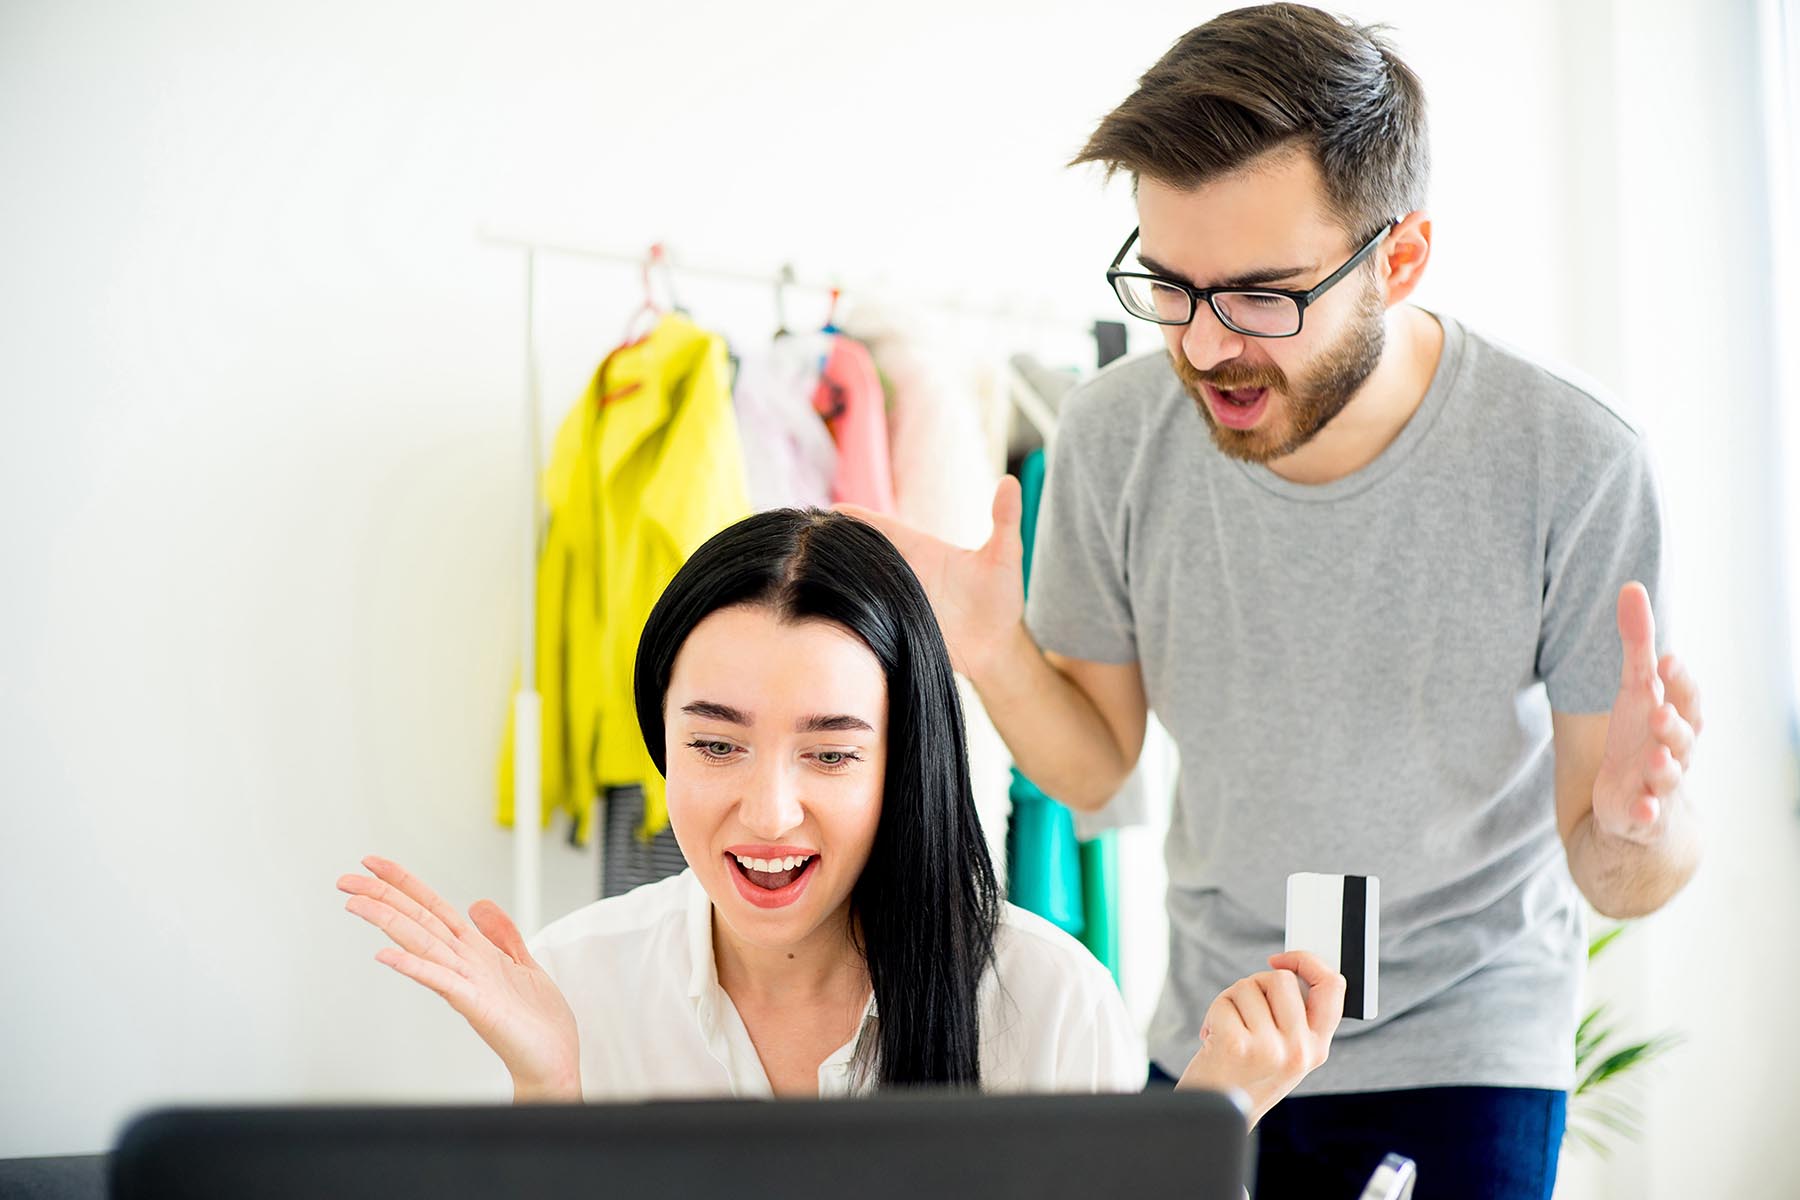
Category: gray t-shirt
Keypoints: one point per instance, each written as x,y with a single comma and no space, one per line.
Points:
1359,676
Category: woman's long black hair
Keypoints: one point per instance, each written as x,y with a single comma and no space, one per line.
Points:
927,902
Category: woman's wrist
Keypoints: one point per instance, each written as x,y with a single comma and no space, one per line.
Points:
1256,1103
563,1088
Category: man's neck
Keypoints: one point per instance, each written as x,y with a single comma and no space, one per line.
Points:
823,969
1380,409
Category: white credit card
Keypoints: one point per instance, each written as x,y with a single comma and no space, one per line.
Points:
1338,918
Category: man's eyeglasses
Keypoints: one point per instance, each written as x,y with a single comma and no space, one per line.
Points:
1257,312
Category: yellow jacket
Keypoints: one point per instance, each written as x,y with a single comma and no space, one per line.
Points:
645,468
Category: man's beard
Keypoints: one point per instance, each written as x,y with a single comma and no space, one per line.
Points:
1326,386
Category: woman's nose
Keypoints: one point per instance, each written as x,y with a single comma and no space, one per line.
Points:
770,805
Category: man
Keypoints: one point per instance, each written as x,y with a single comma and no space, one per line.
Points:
1375,573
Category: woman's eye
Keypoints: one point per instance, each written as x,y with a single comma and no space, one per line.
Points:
837,759
712,750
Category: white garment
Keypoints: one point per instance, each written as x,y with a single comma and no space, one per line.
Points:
638,971
789,457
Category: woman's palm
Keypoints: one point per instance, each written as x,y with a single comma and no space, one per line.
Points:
481,968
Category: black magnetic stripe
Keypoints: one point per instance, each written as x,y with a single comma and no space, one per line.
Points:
1355,937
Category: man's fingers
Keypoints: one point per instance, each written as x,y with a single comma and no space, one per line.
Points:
867,515
1642,814
1637,637
1673,732
1680,689
913,544
412,885
1662,774
499,929
1325,1000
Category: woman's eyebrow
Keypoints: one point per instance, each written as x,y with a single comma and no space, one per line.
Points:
816,723
835,722
713,710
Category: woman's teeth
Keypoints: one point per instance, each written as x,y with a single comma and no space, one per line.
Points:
773,864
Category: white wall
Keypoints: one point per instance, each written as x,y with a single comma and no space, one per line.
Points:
259,447
1698,353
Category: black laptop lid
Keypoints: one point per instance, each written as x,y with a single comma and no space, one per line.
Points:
908,1147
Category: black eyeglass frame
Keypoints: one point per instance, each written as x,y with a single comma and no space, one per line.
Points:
1195,295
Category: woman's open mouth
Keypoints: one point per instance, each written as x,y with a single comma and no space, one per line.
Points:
773,882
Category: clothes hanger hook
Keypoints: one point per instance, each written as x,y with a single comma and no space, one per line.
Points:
659,257
783,280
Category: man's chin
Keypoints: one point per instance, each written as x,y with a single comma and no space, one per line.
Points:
1249,446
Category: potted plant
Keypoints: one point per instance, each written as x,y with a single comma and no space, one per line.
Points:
1598,1112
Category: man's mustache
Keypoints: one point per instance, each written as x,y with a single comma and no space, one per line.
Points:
1230,378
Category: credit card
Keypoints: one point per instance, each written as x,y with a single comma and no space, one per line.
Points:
1338,918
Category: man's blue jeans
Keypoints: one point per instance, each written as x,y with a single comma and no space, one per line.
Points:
1470,1143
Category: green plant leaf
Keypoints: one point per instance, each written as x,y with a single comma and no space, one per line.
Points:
1619,1116
1590,1035
1592,1141
1597,1114
1598,946
1626,1058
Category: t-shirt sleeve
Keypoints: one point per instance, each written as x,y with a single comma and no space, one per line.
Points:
1612,538
1078,602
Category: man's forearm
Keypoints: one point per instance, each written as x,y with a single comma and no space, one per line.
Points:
1622,878
1056,735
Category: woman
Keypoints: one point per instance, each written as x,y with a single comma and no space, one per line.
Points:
839,927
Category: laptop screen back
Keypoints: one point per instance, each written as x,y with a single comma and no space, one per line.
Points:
901,1147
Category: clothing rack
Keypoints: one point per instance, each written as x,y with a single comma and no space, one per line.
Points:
1037,315
527,708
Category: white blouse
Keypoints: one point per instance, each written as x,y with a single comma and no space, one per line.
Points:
638,971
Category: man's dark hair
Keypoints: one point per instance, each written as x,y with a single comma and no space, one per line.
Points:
927,903
1278,76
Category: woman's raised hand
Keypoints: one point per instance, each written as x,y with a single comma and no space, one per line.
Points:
480,966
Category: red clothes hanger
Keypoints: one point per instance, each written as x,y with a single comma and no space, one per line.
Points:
649,308
658,257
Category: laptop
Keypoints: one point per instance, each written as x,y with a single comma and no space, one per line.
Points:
901,1147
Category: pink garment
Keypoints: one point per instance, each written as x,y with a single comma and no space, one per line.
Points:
849,398
945,467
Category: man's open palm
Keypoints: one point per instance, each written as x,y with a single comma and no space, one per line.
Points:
978,596
1650,737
